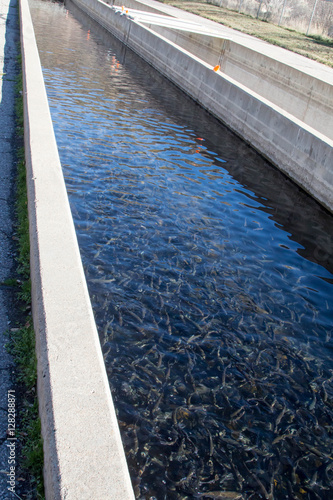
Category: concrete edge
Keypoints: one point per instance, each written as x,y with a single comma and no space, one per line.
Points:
83,452
297,61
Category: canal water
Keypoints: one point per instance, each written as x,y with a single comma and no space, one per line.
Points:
210,276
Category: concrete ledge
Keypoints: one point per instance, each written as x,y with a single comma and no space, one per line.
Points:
302,87
304,96
300,151
84,457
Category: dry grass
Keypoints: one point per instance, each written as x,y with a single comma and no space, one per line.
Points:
314,47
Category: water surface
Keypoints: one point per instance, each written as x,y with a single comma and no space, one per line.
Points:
210,275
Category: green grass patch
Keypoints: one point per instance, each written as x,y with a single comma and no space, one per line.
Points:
33,447
21,199
314,47
327,42
22,338
22,347
10,282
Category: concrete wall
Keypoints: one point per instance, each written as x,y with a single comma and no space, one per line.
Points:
303,94
83,453
134,4
300,151
307,98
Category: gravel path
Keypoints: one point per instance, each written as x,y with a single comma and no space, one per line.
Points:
9,36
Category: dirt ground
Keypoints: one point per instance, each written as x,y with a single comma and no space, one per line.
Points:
315,47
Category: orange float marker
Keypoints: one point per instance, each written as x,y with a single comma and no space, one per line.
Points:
217,67
122,8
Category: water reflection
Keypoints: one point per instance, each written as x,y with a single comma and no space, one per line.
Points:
210,275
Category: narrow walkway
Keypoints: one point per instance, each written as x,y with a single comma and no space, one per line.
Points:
9,36
292,59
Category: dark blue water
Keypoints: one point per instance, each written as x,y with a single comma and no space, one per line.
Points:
210,275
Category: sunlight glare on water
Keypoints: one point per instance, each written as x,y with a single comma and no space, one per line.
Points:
210,276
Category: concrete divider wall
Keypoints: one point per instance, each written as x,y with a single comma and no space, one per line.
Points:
303,91
302,95
83,453
134,4
298,150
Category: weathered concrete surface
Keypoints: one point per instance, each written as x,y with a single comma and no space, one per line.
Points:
306,94
8,72
302,95
287,57
300,151
83,453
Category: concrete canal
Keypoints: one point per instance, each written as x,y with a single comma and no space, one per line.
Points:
210,276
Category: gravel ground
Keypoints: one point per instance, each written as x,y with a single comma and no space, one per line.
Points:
9,36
